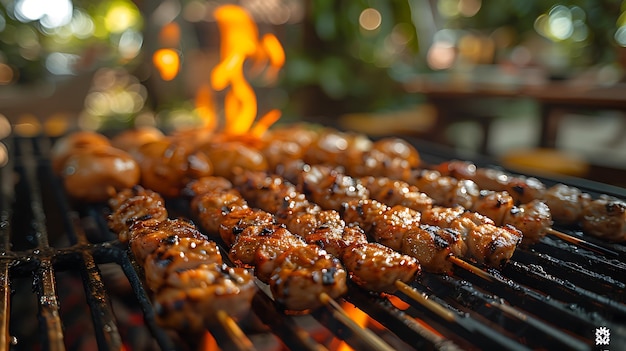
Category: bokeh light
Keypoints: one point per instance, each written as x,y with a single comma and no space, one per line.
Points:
5,126
50,13
114,99
560,22
121,15
167,62
370,19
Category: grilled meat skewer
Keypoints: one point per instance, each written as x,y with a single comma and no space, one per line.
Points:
395,158
327,234
492,245
188,282
604,217
532,219
434,246
371,265
281,259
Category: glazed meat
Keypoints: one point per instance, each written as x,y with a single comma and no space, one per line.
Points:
442,216
71,143
441,189
566,203
205,185
390,226
229,156
235,222
330,189
175,256
187,280
255,240
376,267
168,165
96,173
396,192
363,213
327,230
430,245
494,204
135,204
259,245
303,274
393,225
200,294
532,218
605,217
484,242
337,241
210,207
491,245
130,140
147,236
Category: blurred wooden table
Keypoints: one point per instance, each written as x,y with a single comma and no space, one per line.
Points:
462,99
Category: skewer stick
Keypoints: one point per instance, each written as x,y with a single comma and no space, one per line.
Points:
365,334
577,241
471,268
235,334
426,302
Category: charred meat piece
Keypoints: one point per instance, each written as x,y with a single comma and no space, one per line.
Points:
532,218
135,204
302,274
200,293
606,218
396,192
376,267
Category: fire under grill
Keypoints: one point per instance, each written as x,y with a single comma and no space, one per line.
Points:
66,283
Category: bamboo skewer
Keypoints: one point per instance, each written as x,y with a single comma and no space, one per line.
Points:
366,335
235,334
470,268
583,243
426,302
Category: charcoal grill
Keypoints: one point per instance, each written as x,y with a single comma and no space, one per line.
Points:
56,291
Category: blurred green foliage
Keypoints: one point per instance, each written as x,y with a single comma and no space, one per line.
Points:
339,65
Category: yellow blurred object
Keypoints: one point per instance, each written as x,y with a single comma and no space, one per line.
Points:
546,161
27,125
414,121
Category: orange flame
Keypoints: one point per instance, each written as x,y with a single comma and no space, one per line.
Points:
205,107
359,317
239,42
167,63
209,343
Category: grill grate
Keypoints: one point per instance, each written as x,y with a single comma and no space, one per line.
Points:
553,295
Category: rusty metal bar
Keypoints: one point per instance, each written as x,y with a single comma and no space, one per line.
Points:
7,193
44,277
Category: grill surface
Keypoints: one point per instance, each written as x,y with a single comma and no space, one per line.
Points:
62,271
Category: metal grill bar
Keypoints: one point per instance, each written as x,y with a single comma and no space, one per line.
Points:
45,279
466,297
401,322
107,335
6,185
294,337
564,290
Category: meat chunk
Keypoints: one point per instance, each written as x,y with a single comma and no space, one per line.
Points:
302,274
605,217
376,267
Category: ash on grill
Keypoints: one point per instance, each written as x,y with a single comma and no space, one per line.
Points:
67,283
